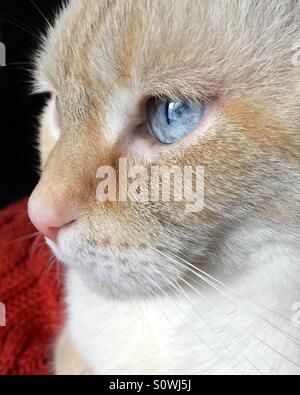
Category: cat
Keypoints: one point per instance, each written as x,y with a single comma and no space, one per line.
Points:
151,287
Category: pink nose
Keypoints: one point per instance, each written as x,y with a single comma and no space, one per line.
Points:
49,219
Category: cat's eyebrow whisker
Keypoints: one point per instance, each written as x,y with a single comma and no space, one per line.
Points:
8,18
243,307
224,359
226,287
40,12
183,293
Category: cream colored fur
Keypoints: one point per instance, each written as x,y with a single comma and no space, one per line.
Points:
140,292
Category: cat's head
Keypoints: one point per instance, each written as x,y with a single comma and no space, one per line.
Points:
162,83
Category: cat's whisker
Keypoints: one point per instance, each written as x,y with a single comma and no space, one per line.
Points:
37,246
26,237
41,13
232,319
140,313
229,317
203,278
211,348
239,295
8,18
30,236
47,267
184,294
155,296
242,306
242,296
163,293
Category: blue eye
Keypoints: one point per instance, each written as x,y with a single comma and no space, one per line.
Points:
170,120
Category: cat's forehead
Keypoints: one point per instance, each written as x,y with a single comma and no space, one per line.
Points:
186,46
122,41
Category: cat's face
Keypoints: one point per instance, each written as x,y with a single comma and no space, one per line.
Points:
103,62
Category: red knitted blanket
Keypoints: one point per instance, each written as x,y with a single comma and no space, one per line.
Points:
30,295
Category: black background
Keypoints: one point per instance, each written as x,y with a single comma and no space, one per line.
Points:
21,26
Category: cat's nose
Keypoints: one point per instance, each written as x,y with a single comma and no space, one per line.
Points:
49,219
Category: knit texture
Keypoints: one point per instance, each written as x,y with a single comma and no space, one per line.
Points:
30,291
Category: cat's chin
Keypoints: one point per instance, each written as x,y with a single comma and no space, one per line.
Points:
114,289
111,277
